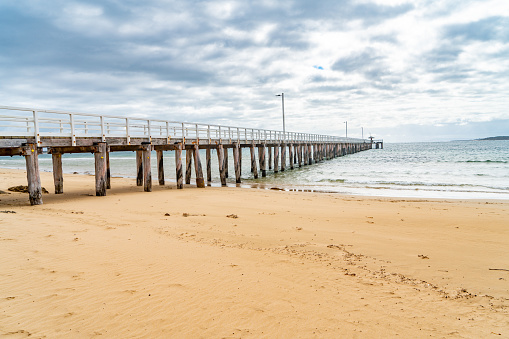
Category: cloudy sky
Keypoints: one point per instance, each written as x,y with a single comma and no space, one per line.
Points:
417,70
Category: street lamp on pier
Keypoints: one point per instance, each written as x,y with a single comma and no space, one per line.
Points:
282,95
346,129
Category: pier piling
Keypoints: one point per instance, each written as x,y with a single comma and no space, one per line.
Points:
147,173
139,168
178,166
100,169
160,167
58,177
33,177
200,183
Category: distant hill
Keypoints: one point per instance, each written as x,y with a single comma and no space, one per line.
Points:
496,138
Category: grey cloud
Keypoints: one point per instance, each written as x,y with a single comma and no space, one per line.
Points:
357,62
158,55
493,28
367,62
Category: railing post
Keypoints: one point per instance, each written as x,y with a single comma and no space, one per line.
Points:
127,134
73,130
149,131
168,136
103,136
36,128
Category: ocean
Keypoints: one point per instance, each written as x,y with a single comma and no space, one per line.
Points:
452,170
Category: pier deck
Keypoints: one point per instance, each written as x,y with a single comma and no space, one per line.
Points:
29,132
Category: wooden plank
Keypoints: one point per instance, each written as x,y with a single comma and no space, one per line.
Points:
100,169
147,170
254,168
33,176
200,183
127,148
178,167
167,147
236,162
160,167
72,149
10,151
189,165
220,161
139,168
209,165
58,178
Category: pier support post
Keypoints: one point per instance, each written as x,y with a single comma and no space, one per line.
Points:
225,155
291,155
310,154
261,158
34,179
58,177
299,155
209,165
139,168
147,173
108,171
189,165
160,167
178,166
236,162
100,169
276,158
200,183
270,157
240,158
283,157
220,161
254,168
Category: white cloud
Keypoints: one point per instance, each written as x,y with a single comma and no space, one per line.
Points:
385,63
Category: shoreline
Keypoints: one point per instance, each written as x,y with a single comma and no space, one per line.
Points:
299,188
220,262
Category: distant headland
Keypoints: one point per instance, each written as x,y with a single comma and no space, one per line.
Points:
506,137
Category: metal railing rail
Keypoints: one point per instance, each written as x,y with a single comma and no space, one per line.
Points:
37,123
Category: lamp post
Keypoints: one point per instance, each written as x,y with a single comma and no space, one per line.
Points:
362,128
346,129
282,95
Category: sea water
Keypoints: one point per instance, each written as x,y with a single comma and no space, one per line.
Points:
460,169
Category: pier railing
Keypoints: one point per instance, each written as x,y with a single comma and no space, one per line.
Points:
39,123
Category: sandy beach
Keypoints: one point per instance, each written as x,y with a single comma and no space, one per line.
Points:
248,263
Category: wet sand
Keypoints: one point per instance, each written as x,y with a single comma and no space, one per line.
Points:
240,263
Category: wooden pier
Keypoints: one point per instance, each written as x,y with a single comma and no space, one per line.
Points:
29,132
